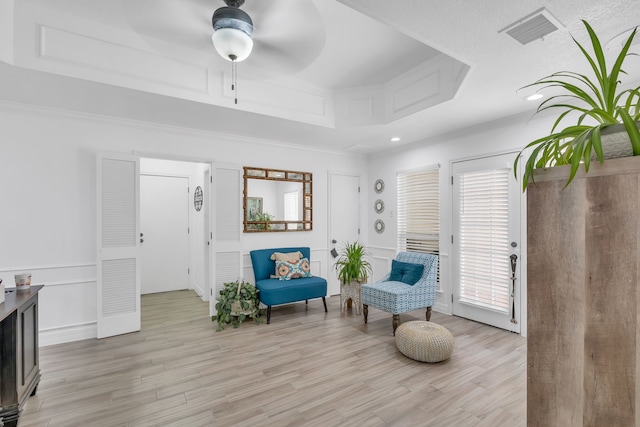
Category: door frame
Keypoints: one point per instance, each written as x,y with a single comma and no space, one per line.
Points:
523,236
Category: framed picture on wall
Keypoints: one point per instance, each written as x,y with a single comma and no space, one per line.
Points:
254,208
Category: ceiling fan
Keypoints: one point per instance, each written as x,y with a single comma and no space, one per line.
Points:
280,35
287,35
232,31
233,34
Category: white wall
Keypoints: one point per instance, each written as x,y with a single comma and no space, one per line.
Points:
491,138
48,204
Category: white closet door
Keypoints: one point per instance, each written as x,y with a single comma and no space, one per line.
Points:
118,223
227,200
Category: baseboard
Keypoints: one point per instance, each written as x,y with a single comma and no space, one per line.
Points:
198,291
442,308
66,334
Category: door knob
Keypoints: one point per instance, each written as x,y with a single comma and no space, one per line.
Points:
334,241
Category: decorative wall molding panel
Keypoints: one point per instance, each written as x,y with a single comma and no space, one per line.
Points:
288,101
428,84
79,50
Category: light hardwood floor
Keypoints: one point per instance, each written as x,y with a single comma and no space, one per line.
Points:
305,368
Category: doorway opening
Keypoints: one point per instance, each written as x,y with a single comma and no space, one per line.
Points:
175,226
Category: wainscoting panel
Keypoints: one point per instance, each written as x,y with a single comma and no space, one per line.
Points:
68,301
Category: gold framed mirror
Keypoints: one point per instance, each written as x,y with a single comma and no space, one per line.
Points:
277,200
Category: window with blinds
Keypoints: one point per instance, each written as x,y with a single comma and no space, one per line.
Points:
291,206
419,212
484,238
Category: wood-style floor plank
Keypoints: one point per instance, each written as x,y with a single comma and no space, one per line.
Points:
306,368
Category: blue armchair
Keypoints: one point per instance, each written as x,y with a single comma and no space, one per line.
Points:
276,291
396,297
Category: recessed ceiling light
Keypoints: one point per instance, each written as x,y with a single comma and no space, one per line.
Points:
534,97
394,139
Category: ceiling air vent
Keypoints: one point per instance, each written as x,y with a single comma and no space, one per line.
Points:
533,27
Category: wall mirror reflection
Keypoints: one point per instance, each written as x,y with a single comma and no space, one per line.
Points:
277,200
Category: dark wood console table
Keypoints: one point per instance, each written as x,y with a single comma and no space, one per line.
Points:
19,365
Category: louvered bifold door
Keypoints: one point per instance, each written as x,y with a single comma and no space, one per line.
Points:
118,270
486,235
227,227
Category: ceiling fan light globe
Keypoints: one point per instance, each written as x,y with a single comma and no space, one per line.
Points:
230,42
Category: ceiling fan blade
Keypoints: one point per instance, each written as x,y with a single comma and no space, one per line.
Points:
289,34
186,22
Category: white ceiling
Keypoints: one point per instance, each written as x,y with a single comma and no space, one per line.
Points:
328,45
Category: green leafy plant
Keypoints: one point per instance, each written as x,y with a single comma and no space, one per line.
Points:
352,265
590,97
263,218
237,302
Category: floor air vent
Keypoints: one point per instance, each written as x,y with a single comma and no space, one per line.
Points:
532,27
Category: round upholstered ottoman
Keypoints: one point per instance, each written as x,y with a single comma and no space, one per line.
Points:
424,341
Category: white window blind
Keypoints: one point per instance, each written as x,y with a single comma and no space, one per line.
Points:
419,211
484,238
291,206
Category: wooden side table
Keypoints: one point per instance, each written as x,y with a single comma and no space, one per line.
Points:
351,293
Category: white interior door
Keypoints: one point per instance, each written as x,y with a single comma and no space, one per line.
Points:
164,222
118,227
486,241
344,218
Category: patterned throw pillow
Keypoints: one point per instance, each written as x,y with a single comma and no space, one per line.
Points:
293,270
291,257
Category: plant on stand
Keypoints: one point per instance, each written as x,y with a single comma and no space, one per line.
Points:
352,265
353,270
237,302
597,98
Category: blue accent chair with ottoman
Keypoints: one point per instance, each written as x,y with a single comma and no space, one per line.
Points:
276,291
409,286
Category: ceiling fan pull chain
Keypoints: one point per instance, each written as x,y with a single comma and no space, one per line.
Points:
235,80
234,77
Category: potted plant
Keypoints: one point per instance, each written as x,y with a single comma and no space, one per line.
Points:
351,265
237,302
262,220
597,98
